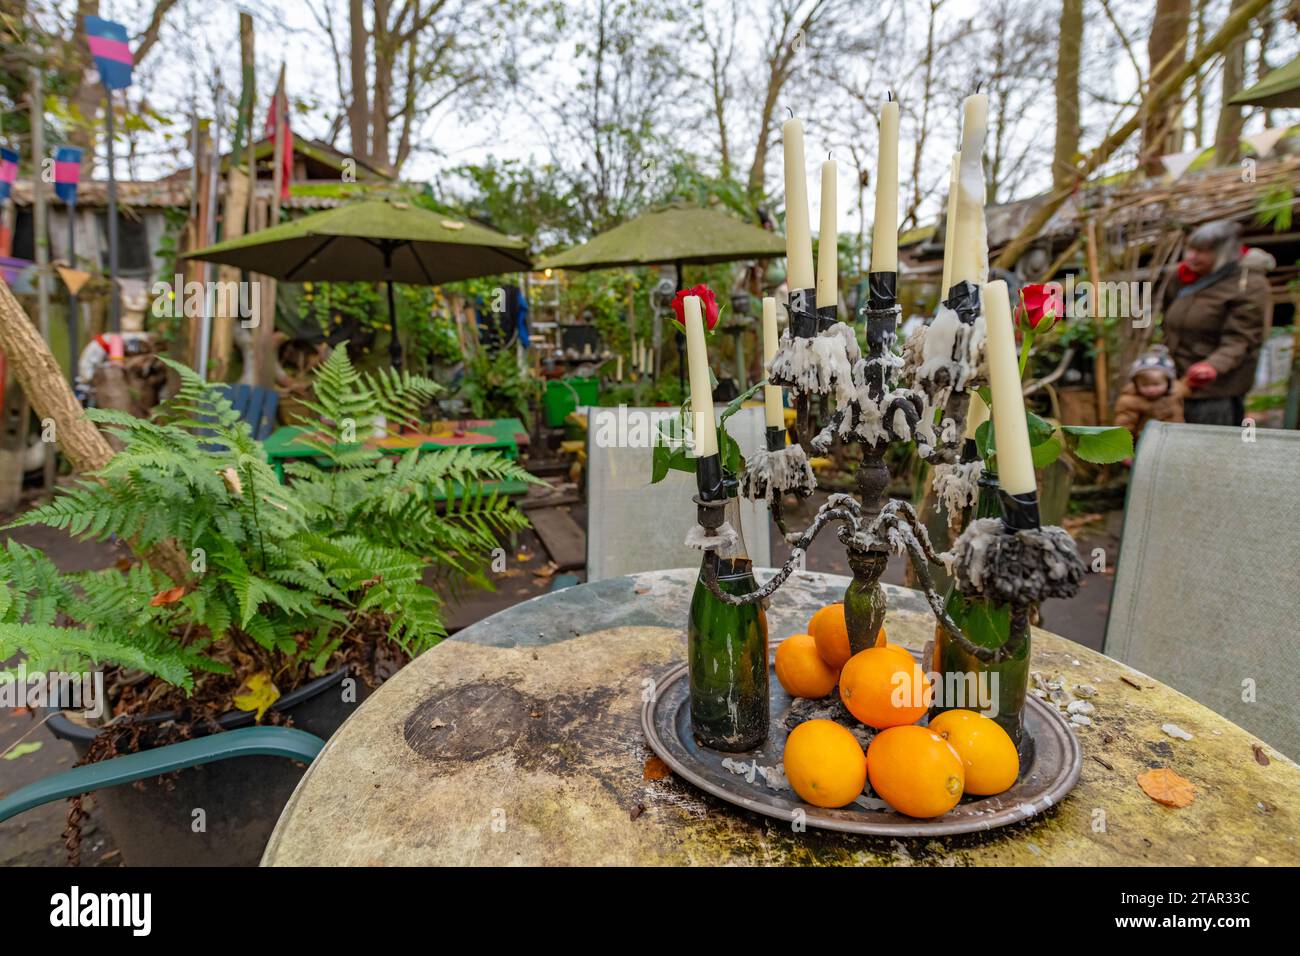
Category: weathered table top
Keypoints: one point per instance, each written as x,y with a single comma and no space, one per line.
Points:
519,741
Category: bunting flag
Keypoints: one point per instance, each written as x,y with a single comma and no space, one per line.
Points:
277,114
1264,141
108,46
74,279
8,171
67,173
1178,163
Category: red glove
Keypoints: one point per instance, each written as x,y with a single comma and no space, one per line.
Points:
1201,374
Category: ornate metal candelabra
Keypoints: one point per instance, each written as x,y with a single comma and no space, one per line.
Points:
875,400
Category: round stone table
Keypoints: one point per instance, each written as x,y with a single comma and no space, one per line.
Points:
519,741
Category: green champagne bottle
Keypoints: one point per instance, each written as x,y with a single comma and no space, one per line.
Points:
726,647
968,683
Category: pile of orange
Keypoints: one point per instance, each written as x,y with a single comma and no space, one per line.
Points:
918,771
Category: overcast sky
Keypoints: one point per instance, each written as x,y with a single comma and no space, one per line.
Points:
201,38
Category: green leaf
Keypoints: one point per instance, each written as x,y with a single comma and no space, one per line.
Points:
1040,429
1045,453
666,457
984,439
734,405
1099,444
22,750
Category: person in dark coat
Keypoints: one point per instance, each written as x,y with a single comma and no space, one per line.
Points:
1214,320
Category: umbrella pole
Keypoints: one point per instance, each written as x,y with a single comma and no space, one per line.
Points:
394,346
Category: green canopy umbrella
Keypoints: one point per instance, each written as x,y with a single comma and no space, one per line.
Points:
374,241
1278,90
675,234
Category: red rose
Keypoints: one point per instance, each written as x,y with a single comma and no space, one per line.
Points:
708,304
1040,306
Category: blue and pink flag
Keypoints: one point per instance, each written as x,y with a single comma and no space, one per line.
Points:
67,173
8,171
108,45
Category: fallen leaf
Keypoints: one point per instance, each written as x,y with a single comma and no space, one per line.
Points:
170,596
637,811
22,750
257,693
546,571
1261,758
655,769
1167,788
122,564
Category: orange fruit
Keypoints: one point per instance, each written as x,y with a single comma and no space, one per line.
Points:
882,689
829,628
915,771
986,750
801,670
824,763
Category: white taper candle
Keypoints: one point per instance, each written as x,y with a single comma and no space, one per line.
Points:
827,240
1015,464
884,231
798,234
773,414
970,244
697,358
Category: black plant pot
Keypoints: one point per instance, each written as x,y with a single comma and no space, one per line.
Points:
157,821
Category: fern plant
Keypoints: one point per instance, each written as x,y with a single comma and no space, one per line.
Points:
280,573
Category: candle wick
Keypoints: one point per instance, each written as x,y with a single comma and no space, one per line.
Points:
790,111
889,94
978,85
829,153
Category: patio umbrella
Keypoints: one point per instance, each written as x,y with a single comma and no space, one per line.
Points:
675,234
374,241
1278,90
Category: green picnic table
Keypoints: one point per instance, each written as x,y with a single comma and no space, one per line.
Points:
503,435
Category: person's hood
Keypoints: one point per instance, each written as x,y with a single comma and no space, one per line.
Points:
1255,259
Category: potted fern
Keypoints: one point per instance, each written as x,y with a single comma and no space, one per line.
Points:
300,596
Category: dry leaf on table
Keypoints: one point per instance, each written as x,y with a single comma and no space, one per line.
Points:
655,769
1167,788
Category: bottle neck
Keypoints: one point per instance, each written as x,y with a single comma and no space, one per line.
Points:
987,505
734,551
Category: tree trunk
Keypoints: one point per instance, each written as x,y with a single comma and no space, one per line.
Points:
1232,27
1162,131
1227,134
359,108
87,450
384,53
1198,81
1066,150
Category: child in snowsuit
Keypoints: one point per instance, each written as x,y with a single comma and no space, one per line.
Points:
1153,392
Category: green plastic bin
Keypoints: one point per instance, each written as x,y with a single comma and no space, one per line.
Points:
564,395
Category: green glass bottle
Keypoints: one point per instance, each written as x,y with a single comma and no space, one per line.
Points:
726,647
968,682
